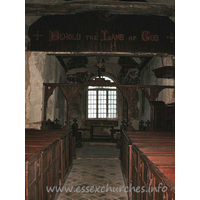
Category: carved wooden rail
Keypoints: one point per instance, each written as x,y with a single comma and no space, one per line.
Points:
128,91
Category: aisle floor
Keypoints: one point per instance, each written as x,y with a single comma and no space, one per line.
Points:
95,174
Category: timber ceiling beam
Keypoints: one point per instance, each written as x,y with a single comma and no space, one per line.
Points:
95,83
111,54
59,58
144,64
106,7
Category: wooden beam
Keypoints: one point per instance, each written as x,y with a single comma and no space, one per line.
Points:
62,63
92,83
105,7
144,64
111,54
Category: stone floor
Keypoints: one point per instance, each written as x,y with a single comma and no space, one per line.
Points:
96,174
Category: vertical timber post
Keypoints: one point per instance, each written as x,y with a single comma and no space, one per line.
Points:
45,103
130,172
129,94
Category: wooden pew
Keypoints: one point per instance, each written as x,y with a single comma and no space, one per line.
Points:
148,158
145,172
66,147
168,171
54,134
33,180
47,167
54,160
27,155
157,149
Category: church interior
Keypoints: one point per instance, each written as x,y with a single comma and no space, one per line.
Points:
100,98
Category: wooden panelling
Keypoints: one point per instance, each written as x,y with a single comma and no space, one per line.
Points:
151,163
48,156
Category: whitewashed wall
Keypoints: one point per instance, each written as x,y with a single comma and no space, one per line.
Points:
40,68
148,78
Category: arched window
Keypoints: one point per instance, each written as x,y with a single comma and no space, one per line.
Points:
102,101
